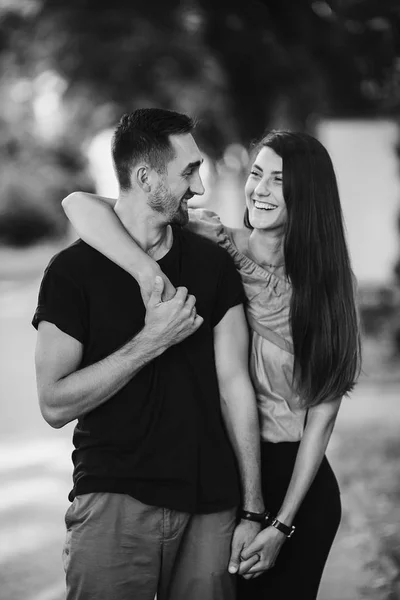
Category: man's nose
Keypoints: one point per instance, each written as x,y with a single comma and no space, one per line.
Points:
197,186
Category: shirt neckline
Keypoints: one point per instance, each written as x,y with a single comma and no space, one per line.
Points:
246,259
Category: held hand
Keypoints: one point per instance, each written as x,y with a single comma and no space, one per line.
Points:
146,282
171,322
265,548
244,534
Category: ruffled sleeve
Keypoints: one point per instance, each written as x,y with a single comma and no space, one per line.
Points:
254,278
208,224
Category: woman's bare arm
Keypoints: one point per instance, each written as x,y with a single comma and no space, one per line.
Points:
95,221
320,423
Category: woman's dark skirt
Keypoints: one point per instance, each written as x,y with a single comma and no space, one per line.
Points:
299,566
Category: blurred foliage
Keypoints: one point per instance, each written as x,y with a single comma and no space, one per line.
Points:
69,70
238,66
379,309
32,177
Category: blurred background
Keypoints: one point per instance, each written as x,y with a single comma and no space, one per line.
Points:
68,70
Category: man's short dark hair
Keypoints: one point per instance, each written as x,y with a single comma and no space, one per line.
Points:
144,135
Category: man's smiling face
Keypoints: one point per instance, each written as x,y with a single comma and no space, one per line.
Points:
180,182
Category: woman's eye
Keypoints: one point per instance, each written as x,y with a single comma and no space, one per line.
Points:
278,179
254,173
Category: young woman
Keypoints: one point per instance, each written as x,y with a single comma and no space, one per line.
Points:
305,352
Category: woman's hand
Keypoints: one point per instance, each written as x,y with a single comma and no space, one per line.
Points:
146,280
266,546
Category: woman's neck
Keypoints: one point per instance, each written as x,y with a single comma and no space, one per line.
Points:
266,248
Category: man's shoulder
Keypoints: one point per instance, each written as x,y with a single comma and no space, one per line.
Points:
76,258
204,247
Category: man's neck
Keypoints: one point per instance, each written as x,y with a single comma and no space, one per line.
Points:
152,235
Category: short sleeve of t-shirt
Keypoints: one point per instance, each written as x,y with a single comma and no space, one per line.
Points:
230,289
61,302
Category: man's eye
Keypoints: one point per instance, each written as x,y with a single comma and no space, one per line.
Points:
278,179
254,173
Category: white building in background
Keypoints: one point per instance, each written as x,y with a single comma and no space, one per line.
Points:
368,172
100,164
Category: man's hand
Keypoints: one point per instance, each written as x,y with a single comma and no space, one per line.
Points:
173,321
244,534
146,280
262,553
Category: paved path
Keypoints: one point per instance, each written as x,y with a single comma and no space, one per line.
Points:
35,469
372,404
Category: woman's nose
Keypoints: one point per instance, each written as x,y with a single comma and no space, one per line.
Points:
262,189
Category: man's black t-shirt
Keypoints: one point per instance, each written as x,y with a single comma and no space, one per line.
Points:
161,438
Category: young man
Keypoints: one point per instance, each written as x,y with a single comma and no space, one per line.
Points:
155,480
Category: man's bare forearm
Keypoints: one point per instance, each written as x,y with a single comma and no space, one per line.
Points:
86,389
240,415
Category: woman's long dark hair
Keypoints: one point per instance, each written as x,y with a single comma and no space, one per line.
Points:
323,314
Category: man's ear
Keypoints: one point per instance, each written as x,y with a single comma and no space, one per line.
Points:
142,178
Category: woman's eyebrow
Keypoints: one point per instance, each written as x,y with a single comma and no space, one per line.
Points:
272,172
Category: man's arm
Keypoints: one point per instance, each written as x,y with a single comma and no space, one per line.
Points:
66,393
239,410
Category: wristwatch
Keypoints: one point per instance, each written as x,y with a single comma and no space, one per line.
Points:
263,518
287,530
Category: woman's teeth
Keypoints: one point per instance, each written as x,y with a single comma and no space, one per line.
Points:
264,205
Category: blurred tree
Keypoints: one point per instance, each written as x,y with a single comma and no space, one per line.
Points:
34,179
238,66
287,61
38,165
71,69
142,54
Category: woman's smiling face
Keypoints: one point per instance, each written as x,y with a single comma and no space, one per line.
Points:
264,191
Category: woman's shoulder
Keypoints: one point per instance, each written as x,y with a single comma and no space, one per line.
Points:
240,238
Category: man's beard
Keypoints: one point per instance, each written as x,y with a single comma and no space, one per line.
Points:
165,203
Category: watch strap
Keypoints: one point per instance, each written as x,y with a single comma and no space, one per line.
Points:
287,530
